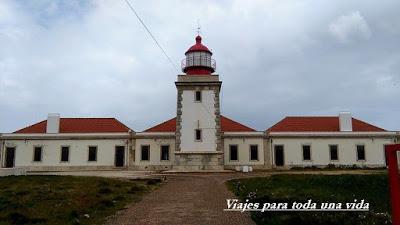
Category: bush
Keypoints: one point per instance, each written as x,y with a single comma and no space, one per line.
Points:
106,203
105,190
319,188
134,189
153,181
21,219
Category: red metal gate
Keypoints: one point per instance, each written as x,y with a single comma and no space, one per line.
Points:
394,181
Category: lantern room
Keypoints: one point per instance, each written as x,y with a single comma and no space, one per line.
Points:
198,60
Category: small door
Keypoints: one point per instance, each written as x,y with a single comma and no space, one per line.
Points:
119,156
279,155
10,157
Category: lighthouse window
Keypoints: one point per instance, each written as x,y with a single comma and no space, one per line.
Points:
197,135
197,96
189,59
203,58
197,58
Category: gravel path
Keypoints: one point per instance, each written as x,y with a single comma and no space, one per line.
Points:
197,199
185,199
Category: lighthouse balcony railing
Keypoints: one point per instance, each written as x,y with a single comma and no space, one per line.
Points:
198,61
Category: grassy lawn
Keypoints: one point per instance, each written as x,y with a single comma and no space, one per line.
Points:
319,188
65,199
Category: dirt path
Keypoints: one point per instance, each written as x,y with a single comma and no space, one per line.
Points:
197,199
185,199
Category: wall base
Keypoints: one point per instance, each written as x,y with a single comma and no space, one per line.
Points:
150,167
255,167
68,168
198,161
12,171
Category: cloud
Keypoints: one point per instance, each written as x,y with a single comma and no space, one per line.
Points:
94,59
350,27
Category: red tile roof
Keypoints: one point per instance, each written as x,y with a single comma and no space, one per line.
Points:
167,126
79,125
227,125
318,124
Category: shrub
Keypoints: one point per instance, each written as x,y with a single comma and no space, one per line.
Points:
153,181
135,188
105,190
21,219
106,203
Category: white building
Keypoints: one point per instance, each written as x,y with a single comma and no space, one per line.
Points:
198,138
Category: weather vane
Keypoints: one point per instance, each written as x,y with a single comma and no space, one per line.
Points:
198,27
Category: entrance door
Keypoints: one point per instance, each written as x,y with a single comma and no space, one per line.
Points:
119,156
279,157
10,157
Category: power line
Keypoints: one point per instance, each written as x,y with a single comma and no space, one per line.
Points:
151,35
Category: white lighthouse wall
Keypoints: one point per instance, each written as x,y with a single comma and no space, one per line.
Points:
198,115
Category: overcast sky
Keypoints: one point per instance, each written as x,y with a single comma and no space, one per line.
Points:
275,58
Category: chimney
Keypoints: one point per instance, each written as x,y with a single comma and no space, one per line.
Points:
345,121
53,123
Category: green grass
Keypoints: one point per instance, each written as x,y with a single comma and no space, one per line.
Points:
61,200
319,188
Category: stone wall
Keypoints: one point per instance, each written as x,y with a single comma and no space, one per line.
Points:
198,161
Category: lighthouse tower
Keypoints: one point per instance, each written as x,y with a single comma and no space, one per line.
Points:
198,124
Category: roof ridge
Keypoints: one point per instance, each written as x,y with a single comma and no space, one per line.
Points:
312,116
318,124
362,121
81,124
238,122
168,123
123,124
159,124
88,118
30,126
268,129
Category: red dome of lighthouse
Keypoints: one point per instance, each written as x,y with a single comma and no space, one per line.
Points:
198,60
198,47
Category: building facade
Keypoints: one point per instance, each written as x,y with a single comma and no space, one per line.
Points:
198,138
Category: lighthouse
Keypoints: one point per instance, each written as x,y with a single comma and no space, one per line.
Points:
198,120
198,60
